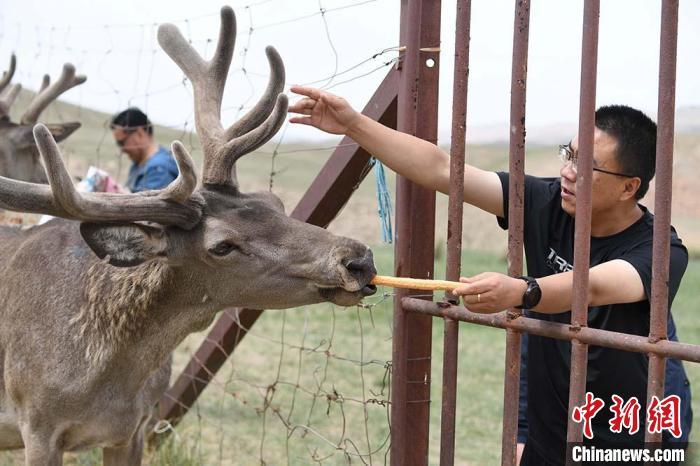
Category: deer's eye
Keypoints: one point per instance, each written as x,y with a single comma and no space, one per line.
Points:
223,248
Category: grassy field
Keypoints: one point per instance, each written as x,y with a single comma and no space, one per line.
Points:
345,351
311,385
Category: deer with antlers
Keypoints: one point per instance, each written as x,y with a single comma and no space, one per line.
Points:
19,157
93,303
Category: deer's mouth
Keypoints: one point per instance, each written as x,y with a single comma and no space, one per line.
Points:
343,297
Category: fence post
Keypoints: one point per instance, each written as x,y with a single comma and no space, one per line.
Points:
415,233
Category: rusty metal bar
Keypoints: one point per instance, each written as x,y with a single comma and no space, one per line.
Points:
454,228
662,204
516,189
582,231
327,194
418,94
589,336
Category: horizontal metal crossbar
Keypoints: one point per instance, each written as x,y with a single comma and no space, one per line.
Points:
591,336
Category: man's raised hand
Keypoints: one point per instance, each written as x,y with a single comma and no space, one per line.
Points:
323,110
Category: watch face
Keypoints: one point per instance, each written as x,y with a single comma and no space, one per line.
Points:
532,295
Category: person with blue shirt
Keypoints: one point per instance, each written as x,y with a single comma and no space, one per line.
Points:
153,166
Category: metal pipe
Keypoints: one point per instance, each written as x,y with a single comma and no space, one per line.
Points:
582,233
661,248
589,336
454,228
418,94
516,223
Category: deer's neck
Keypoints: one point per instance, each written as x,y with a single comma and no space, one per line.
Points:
139,315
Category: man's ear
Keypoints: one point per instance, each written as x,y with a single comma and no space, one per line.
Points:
631,188
125,245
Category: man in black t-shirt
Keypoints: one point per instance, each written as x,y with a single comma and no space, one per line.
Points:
548,238
620,274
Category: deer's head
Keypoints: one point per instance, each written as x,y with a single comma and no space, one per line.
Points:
233,248
19,157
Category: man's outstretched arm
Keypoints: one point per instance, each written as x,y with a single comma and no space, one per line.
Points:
613,282
414,158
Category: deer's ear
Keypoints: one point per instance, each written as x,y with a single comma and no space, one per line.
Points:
61,131
125,245
23,137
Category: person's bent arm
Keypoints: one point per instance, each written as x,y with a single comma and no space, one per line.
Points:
613,282
414,158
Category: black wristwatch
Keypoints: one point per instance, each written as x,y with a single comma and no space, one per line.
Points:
532,295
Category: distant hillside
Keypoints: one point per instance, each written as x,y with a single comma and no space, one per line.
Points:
297,164
687,122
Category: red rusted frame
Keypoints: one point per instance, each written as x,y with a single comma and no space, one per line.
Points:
516,226
589,336
454,228
326,196
415,231
582,231
662,204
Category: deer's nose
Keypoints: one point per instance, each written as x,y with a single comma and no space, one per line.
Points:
363,270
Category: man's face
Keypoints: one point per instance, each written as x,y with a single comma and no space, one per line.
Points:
607,189
132,141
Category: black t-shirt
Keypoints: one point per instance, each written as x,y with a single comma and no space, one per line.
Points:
549,247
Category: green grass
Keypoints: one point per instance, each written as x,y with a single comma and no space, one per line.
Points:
325,367
234,424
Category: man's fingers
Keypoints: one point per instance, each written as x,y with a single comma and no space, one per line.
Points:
307,102
301,120
475,300
472,285
301,111
303,104
461,290
307,91
473,279
469,288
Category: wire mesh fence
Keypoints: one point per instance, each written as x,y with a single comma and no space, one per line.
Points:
307,385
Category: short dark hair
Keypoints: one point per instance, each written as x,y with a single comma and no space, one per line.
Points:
130,119
635,134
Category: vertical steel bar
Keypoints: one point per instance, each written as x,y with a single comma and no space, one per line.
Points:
582,234
454,227
418,92
662,204
516,188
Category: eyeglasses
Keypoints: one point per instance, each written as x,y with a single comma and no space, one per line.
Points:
567,154
121,142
